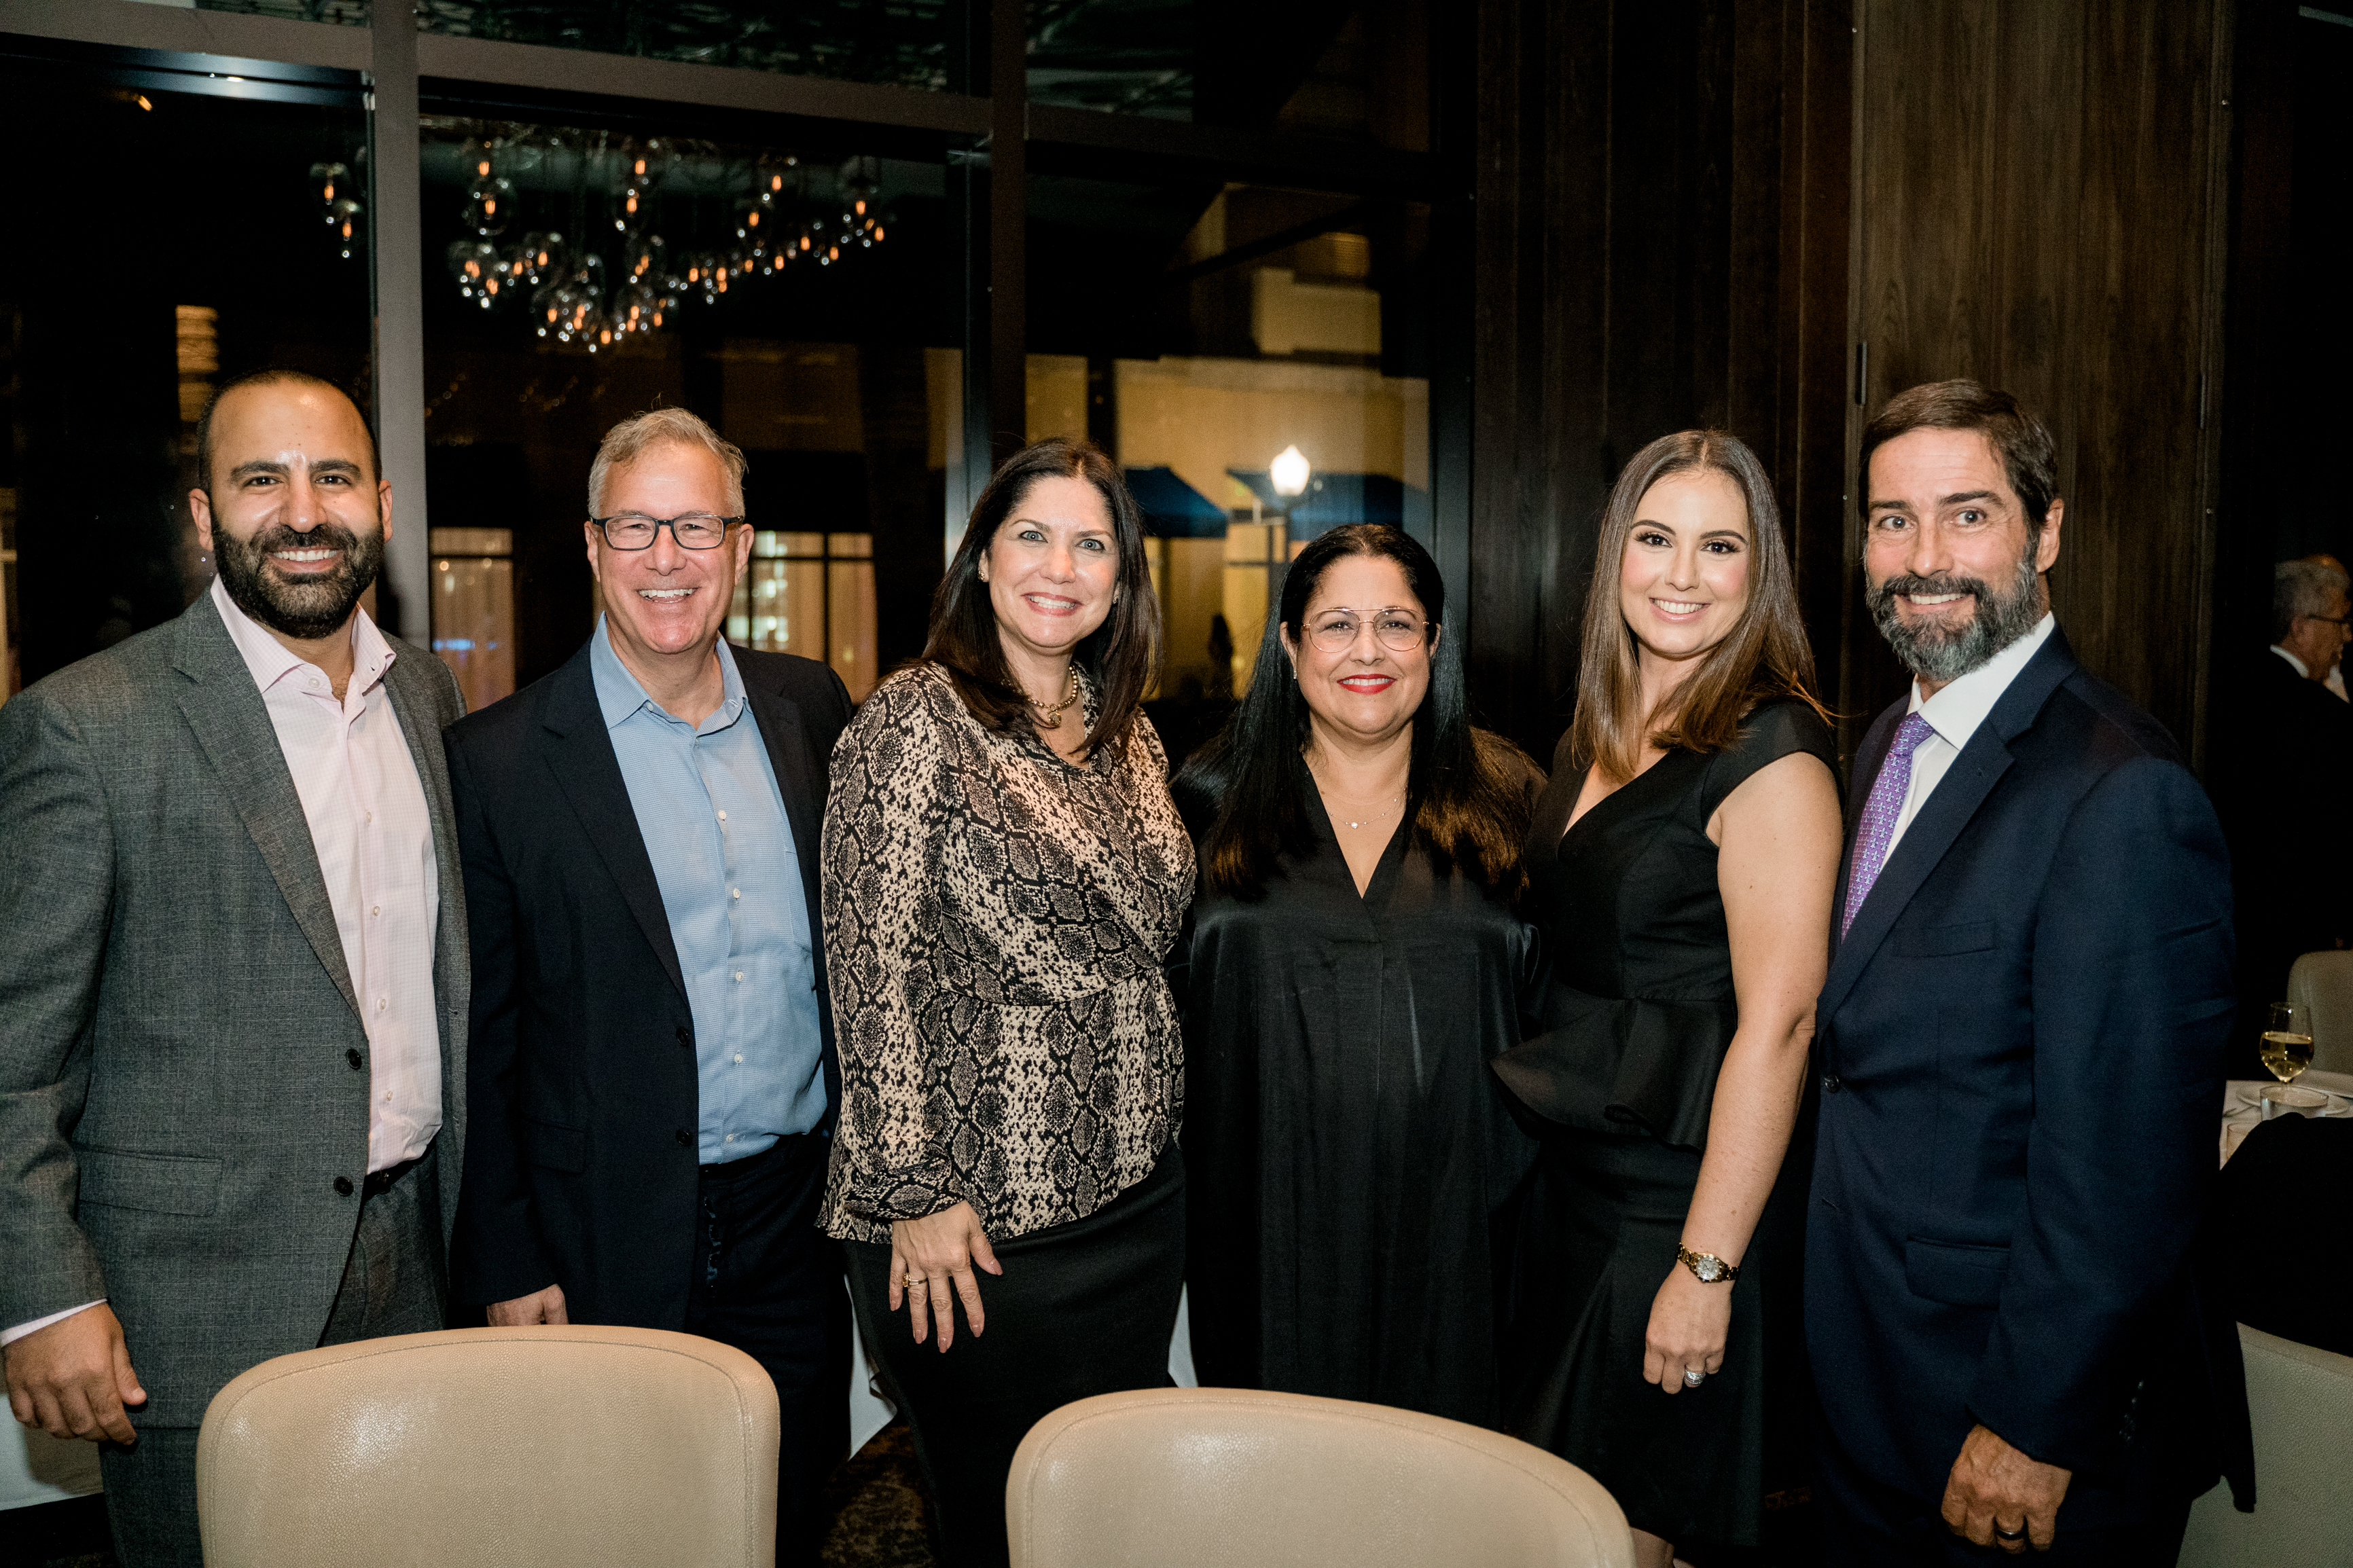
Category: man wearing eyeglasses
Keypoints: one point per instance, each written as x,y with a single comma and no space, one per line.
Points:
652,1046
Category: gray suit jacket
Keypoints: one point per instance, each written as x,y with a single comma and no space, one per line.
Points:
181,1058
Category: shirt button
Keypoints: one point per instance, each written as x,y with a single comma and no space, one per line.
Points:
381,1002
729,1139
739,976
739,1058
723,817
1832,1083
734,892
369,816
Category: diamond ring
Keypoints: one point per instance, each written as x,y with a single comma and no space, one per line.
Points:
1693,1377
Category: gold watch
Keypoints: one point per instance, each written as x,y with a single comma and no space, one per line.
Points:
1706,1266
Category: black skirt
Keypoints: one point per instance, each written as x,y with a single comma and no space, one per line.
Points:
1082,1308
1604,1220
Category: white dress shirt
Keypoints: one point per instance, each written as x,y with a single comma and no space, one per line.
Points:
2303,671
374,837
1954,715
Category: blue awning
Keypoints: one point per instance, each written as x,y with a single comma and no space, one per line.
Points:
1173,508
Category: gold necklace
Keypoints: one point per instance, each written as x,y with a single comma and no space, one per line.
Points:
1380,808
1051,718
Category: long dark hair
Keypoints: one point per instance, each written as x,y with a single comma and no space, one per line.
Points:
1120,655
1764,657
1466,795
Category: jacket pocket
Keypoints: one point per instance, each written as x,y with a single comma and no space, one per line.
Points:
1938,942
1954,1272
158,1183
556,1147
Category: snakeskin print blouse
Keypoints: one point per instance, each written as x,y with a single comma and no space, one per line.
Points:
995,924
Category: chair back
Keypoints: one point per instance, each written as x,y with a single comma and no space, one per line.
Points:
2302,1403
2324,982
550,1446
1240,1478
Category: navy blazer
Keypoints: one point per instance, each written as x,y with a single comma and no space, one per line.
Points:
2021,1040
583,1172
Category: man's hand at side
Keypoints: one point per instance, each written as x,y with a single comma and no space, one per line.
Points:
1994,1486
73,1378
539,1307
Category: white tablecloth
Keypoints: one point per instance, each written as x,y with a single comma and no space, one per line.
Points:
2240,1113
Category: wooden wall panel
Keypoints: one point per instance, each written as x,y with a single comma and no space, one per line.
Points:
1661,229
2036,209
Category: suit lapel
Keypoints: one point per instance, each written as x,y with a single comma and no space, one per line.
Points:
587,771
1947,811
225,710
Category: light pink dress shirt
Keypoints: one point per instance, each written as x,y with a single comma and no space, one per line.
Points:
374,836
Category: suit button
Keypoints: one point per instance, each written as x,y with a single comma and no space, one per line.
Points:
352,1057
684,1141
343,1186
1832,1083
685,1038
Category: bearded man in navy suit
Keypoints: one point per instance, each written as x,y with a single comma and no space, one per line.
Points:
2020,1042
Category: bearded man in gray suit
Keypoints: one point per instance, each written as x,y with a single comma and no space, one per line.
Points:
233,973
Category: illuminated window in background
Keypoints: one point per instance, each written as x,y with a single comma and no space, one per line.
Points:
813,595
474,610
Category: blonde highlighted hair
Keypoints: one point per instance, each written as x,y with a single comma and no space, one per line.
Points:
1764,657
626,442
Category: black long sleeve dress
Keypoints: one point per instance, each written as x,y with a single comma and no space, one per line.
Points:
1344,1142
1637,1014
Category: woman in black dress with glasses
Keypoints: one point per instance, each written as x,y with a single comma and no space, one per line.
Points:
1354,959
1682,862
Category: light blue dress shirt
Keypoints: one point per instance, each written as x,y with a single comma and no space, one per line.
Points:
713,822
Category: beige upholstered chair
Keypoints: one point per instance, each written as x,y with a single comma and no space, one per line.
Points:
2301,1401
2324,982
577,1447
1237,1477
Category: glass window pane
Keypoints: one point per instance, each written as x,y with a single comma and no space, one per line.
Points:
904,42
473,625
1362,74
825,365
848,546
850,613
472,540
110,347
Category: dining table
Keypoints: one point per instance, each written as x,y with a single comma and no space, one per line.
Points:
2241,1109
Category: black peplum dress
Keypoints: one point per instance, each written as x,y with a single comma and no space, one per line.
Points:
1634,1022
1344,1143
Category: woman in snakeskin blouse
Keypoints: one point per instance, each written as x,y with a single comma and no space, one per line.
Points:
1004,875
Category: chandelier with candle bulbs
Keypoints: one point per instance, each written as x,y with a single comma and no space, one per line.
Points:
610,276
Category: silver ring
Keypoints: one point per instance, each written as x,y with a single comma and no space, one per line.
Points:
2018,1534
1693,1377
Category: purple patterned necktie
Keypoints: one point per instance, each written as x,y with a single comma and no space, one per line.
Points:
1880,812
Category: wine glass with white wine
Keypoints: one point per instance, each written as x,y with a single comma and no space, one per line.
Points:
2287,1042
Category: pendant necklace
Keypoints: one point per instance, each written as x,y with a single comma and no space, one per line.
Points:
1051,718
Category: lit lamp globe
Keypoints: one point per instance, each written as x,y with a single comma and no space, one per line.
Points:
1289,471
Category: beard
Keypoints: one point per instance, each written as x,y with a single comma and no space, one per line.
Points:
1943,654
308,610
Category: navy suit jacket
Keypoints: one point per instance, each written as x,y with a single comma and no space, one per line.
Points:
585,1173
2021,1041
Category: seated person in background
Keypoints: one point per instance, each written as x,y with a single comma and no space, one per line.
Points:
2334,679
2279,781
2281,1283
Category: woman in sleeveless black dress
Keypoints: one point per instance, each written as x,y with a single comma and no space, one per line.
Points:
1682,863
